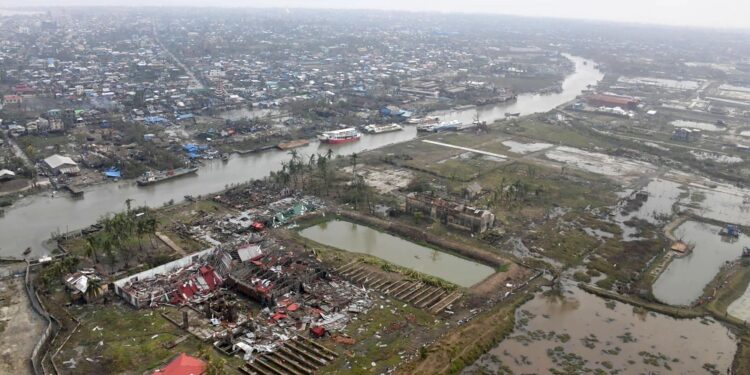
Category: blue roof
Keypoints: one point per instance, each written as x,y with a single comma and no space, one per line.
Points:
113,172
154,120
190,148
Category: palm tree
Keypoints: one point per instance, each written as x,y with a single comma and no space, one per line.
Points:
94,289
354,157
323,167
128,202
329,154
311,161
141,228
295,155
92,245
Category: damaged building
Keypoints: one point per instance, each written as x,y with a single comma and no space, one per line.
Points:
452,214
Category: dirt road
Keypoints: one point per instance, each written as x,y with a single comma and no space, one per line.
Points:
20,327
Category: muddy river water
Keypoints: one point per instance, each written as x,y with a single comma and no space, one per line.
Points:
361,239
577,331
31,220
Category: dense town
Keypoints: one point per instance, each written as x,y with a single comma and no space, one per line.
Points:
296,192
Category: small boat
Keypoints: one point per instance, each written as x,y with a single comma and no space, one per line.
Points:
225,157
512,114
340,136
730,230
746,252
27,251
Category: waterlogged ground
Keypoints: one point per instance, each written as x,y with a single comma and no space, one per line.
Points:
525,148
578,333
598,163
697,125
722,202
657,209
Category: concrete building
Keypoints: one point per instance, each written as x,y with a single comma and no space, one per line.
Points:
452,214
611,100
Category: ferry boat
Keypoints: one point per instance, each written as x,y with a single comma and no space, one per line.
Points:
377,129
150,178
340,136
441,127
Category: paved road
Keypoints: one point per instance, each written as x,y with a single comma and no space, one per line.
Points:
196,84
19,153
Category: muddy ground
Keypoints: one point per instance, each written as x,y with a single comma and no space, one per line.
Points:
20,327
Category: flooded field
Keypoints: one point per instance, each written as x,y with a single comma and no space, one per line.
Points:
580,333
684,279
725,203
662,195
719,158
525,148
697,125
365,240
662,82
598,163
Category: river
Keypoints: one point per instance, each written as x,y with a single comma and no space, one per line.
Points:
32,219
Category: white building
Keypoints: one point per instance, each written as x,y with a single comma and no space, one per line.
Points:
59,164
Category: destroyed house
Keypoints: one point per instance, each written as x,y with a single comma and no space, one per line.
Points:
191,278
268,277
452,214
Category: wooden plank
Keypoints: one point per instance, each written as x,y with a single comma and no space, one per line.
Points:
306,354
264,364
279,363
321,347
293,363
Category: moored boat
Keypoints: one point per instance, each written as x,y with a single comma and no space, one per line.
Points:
292,144
377,129
150,178
340,136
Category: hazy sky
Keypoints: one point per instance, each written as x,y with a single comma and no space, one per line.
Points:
710,13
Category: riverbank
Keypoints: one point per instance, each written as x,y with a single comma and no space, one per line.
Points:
52,215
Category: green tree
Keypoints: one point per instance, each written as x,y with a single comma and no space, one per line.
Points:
94,289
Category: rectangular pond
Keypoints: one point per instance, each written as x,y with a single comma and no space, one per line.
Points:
682,282
365,240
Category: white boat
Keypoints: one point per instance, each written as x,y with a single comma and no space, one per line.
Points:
454,125
340,136
377,129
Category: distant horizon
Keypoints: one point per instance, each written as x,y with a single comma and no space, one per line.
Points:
718,15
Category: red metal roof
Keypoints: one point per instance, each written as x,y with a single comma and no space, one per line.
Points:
183,365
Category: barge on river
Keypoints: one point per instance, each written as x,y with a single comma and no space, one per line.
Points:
292,144
340,136
377,129
150,178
